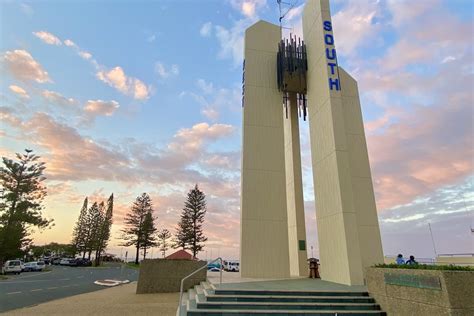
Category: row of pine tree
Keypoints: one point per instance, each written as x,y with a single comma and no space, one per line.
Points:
92,230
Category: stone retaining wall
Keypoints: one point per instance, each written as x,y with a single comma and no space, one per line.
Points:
422,292
162,275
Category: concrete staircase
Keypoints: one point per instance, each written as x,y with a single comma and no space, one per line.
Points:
206,299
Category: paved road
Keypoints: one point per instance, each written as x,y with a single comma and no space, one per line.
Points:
32,288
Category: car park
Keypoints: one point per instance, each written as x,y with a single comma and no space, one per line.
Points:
12,266
34,266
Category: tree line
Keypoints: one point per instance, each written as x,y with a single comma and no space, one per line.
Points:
21,204
92,231
140,230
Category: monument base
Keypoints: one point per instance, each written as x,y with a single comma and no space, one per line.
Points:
164,275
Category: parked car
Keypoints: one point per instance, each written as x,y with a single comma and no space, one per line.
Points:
47,260
56,261
68,262
12,266
231,266
214,269
80,262
34,266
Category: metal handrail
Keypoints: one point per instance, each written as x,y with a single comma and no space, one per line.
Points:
455,254
193,273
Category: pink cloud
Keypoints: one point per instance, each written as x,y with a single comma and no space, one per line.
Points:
117,79
19,91
428,148
99,107
24,67
48,38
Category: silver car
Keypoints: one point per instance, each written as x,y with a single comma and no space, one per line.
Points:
34,266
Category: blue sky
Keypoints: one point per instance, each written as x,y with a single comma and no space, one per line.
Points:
130,97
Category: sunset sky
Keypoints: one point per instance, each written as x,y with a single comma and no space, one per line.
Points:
140,96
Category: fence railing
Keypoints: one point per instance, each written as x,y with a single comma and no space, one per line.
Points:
193,273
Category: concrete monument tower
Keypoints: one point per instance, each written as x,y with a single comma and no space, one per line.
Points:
282,78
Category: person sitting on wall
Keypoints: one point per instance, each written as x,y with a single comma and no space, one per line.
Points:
400,259
411,261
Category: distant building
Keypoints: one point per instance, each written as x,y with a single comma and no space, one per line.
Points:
180,254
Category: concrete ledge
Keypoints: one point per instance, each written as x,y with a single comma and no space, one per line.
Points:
162,275
422,292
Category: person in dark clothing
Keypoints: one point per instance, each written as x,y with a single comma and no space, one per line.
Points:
411,261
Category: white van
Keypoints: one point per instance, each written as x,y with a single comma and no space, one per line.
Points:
12,266
232,266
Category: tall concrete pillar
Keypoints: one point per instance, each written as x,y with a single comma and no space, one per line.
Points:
294,191
348,234
264,242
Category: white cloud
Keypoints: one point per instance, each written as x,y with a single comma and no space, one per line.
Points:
19,91
206,87
193,138
404,219
294,13
214,100
206,29
165,72
57,98
354,25
151,38
447,59
85,55
48,38
210,113
70,43
99,107
248,8
232,40
117,79
404,11
24,67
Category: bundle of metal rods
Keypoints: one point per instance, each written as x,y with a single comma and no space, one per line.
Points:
292,66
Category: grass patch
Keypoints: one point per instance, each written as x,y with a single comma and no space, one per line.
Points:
425,267
3,277
133,265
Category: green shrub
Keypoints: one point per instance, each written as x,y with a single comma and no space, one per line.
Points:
425,267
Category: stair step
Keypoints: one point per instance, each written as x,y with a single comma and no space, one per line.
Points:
206,286
210,312
191,294
286,306
292,298
288,293
199,289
